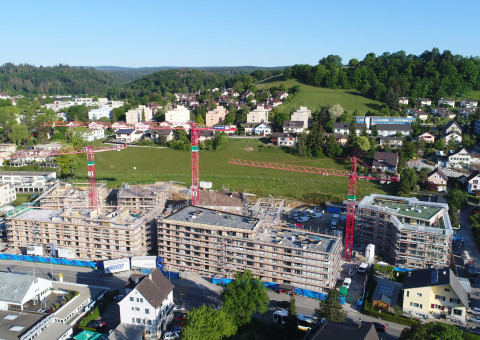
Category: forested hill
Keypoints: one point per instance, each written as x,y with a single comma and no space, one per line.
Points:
391,75
27,79
130,74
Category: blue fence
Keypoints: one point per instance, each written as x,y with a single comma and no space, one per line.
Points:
53,260
274,286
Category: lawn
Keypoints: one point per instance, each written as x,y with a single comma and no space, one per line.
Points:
154,164
316,97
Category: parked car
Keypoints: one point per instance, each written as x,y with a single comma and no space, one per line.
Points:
474,310
362,269
316,214
379,327
299,225
118,297
474,330
96,324
347,282
317,208
171,335
475,318
302,219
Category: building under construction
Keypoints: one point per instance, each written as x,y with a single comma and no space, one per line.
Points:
215,243
409,232
143,197
65,195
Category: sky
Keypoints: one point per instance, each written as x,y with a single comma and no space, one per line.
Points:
148,33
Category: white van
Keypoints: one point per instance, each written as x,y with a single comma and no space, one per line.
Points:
334,224
362,269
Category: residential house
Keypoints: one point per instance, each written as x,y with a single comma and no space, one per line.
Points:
453,136
390,130
424,102
421,115
167,133
296,126
282,95
341,139
7,149
469,103
104,111
438,177
374,120
435,292
473,183
446,102
180,115
276,102
7,194
427,137
385,295
142,127
16,290
141,114
4,96
302,114
258,115
149,303
257,129
452,126
128,135
393,142
466,112
216,116
91,135
344,128
28,181
402,100
462,159
443,113
284,139
120,125
385,161
205,134
344,331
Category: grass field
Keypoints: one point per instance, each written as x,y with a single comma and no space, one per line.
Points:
154,164
316,97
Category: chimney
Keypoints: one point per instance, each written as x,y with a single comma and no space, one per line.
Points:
136,280
150,275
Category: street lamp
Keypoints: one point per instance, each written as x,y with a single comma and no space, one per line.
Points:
323,216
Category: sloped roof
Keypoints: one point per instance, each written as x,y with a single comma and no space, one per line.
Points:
385,159
155,288
125,131
440,172
473,175
387,291
336,331
392,127
13,287
449,124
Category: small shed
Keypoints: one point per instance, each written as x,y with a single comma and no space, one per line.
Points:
385,295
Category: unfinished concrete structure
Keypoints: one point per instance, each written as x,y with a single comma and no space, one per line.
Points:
98,234
141,197
65,195
409,232
215,243
232,202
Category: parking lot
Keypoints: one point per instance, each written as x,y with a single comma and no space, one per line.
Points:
317,225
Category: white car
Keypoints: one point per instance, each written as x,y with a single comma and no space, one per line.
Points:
302,219
475,319
171,335
362,269
316,214
474,310
347,282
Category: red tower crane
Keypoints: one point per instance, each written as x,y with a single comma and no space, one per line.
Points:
352,188
89,150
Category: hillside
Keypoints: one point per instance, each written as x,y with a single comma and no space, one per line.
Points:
316,97
62,79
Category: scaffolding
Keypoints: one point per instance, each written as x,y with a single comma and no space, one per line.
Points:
268,210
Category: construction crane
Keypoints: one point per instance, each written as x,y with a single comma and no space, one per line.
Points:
352,187
89,150
194,129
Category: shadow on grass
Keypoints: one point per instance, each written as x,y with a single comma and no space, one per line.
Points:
374,106
272,79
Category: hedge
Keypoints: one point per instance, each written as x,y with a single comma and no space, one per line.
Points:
387,316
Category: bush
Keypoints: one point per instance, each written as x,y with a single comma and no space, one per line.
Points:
387,316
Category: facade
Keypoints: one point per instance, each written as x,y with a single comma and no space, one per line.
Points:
28,181
128,135
7,194
82,233
17,290
408,232
435,292
257,129
215,117
385,161
6,149
424,102
393,142
402,100
469,103
462,159
447,102
374,120
149,304
426,137
284,139
179,115
344,128
259,115
302,114
214,243
294,126
93,134
65,195
104,111
341,139
452,126
453,136
141,114
438,177
473,183
143,197
390,130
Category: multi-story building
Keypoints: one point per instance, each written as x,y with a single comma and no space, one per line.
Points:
28,181
6,149
374,120
410,233
259,115
104,111
179,115
215,243
65,195
83,233
7,194
302,114
141,114
143,197
216,116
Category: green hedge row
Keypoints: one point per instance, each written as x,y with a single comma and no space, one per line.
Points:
387,316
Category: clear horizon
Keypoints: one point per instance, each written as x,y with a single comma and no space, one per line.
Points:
216,34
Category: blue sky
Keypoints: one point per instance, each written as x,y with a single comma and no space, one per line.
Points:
229,33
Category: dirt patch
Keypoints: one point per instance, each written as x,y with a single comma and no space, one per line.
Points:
248,148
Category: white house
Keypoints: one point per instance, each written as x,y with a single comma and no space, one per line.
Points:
141,114
103,112
392,129
257,129
259,115
344,128
469,103
284,139
296,126
473,183
127,135
424,102
149,303
28,181
452,126
302,114
179,115
17,289
7,194
453,136
426,137
402,100
462,159
447,102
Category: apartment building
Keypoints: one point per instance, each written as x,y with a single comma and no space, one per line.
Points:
141,114
142,197
7,194
258,115
216,116
409,232
86,234
374,120
28,181
179,115
65,195
214,243
302,114
6,149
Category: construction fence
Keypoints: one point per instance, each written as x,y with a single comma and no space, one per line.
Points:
52,260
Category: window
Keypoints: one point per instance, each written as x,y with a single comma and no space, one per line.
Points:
440,297
137,309
457,312
131,298
147,311
419,294
138,320
408,293
447,289
416,305
452,300
149,322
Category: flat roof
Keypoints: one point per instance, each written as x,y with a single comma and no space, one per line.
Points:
26,173
53,331
214,218
85,293
142,190
22,319
406,209
42,215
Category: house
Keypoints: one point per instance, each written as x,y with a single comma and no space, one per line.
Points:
28,181
282,95
469,103
167,133
16,290
453,136
92,135
216,116
284,139
302,114
402,100
7,194
427,137
344,128
179,115
390,130
385,161
438,177
374,120
341,139
452,126
462,159
466,113
205,134
149,303
473,183
424,102
120,125
393,142
296,126
6,149
446,102
257,129
126,135
421,115
141,114
4,96
259,115
435,292
342,331
102,112
385,295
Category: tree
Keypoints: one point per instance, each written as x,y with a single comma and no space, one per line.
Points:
409,180
315,140
432,331
330,308
220,142
332,149
417,332
362,142
302,145
18,134
244,296
205,322
457,198
292,315
67,164
335,111
78,112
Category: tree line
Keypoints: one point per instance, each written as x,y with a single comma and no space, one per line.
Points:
391,75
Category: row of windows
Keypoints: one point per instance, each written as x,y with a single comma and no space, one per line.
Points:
137,309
